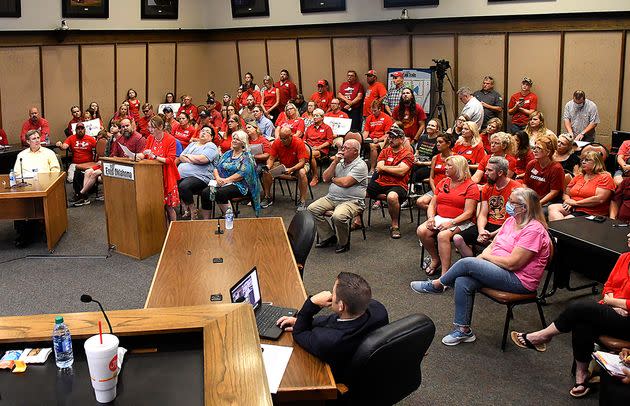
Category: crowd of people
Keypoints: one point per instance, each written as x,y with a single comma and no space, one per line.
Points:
479,185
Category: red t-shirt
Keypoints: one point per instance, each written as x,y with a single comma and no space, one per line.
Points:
339,114
41,125
265,143
542,181
392,158
134,108
617,282
530,102
291,155
191,110
579,189
521,163
484,162
439,169
184,134
497,199
316,136
142,126
322,101
288,91
81,148
374,92
486,141
269,97
473,155
351,91
411,123
255,93
451,204
3,137
377,127
296,124
225,143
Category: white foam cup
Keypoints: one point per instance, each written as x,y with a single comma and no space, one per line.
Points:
103,365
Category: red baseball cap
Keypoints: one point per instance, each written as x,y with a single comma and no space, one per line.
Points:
321,82
371,72
398,74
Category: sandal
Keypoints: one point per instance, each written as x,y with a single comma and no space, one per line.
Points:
394,232
432,269
580,393
528,344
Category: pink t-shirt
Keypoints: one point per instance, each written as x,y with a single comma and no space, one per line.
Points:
533,237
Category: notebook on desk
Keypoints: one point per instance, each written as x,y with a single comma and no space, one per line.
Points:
247,289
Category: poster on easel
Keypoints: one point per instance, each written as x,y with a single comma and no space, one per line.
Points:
418,80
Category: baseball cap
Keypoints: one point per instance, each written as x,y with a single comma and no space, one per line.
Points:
321,82
396,132
398,74
527,80
80,125
371,72
167,109
203,114
210,100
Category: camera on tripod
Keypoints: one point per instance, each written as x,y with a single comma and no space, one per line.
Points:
441,66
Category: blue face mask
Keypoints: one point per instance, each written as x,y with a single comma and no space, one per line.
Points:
509,209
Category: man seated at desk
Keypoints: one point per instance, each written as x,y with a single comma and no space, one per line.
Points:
335,338
36,159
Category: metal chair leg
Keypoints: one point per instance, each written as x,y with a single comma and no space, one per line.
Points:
508,316
541,314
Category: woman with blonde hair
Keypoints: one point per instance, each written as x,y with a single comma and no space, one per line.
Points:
501,144
514,262
469,145
536,127
450,211
270,98
290,117
494,125
588,193
543,174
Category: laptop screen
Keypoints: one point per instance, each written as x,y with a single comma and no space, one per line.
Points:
247,289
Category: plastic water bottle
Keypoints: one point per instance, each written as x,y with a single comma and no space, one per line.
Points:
47,141
12,178
62,344
229,219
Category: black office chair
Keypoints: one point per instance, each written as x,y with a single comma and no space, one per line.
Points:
386,366
301,235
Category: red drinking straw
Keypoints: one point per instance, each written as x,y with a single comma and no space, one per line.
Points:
100,331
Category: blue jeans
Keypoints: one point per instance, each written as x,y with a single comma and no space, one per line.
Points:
469,275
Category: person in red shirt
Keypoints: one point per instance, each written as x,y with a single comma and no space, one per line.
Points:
451,211
134,104
438,168
391,183
76,118
291,118
35,122
80,144
248,90
189,108
246,112
287,89
133,140
216,105
543,174
184,131
524,154
376,91
521,105
143,122
335,111
500,145
212,114
224,138
270,98
376,127
494,125
162,147
322,96
291,152
410,115
320,137
469,145
588,193
350,95
255,137
492,214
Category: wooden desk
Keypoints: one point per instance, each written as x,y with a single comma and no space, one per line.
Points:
44,198
233,366
186,275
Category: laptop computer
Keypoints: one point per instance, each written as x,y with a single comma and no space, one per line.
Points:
247,289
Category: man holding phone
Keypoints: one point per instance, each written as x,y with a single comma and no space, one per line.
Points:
348,177
521,105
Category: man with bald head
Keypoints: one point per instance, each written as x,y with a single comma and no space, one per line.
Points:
348,177
127,137
35,122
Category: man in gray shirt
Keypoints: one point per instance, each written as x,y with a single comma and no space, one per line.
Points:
490,99
348,183
580,117
472,106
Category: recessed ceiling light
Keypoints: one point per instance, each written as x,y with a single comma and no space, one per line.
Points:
249,9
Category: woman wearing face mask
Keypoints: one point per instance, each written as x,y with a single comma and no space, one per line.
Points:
514,262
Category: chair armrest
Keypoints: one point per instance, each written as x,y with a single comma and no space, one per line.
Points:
342,388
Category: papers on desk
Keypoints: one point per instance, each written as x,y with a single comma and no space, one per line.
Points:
610,362
126,150
275,359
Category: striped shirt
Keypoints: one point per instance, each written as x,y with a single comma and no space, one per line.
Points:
393,96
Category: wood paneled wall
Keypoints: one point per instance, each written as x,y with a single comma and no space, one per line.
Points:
54,77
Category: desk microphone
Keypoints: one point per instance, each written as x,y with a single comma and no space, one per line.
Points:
22,183
88,299
219,231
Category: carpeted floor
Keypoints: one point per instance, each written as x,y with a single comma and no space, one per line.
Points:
471,374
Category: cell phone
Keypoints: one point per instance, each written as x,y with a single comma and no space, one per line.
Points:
597,219
216,297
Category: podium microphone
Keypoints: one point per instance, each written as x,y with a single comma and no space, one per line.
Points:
88,299
218,231
22,183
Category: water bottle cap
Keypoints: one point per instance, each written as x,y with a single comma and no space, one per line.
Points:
58,319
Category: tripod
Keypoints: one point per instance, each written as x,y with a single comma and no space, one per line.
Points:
440,108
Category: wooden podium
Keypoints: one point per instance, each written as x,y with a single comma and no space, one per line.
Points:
134,206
